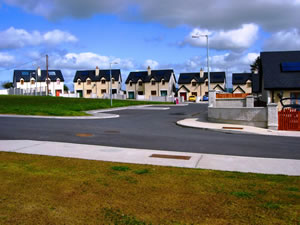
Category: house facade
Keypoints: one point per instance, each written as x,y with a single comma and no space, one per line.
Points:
280,77
36,81
150,83
245,83
196,84
96,83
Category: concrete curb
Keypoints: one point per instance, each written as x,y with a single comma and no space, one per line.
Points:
145,156
193,123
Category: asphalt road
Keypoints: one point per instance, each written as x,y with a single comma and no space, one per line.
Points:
151,129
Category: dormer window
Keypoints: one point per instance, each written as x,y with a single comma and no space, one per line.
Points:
163,82
22,81
153,82
103,81
140,83
48,81
79,82
130,83
32,82
112,80
88,81
206,83
57,81
194,84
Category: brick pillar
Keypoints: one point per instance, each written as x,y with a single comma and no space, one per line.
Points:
272,116
249,101
212,98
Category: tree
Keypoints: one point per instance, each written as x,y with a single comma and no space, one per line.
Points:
256,65
7,85
66,88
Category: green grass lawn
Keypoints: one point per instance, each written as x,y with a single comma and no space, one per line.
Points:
52,190
52,106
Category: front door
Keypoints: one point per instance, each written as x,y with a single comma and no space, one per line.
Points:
80,93
131,95
184,95
57,93
163,93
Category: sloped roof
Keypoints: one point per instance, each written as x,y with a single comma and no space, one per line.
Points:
157,75
215,77
84,74
28,74
275,76
241,78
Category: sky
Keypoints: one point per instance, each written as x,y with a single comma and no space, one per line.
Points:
80,35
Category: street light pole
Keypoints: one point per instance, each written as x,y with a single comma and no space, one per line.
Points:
111,81
207,54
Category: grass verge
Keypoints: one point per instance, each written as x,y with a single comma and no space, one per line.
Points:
53,106
52,190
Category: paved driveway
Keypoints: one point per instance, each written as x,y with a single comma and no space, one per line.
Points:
151,129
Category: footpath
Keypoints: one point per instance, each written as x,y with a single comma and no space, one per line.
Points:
154,157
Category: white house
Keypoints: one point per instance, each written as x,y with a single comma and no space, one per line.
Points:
35,80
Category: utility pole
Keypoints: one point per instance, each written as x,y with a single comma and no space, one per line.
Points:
47,76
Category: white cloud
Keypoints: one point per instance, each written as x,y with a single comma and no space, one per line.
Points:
13,38
283,40
6,60
213,14
152,63
236,39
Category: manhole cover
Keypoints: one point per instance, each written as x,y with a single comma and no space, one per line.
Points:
180,157
111,132
177,114
233,128
84,135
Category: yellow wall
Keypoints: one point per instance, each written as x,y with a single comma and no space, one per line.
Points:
245,87
96,89
286,94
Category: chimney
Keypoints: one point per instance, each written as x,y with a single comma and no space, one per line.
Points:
201,73
39,73
149,70
97,72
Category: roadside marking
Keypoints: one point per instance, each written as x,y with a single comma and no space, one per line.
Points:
84,135
180,157
233,128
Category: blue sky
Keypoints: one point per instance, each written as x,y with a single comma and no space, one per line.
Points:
84,34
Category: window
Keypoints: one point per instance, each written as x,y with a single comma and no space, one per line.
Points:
206,83
163,82
78,82
140,83
130,84
32,82
88,92
88,82
140,93
48,81
153,82
194,93
194,83
51,73
22,82
102,81
58,81
103,91
112,80
249,84
153,93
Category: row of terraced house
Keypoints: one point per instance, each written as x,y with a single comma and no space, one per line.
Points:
278,77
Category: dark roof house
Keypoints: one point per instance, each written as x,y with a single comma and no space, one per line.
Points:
280,70
215,77
242,78
26,75
157,75
84,74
